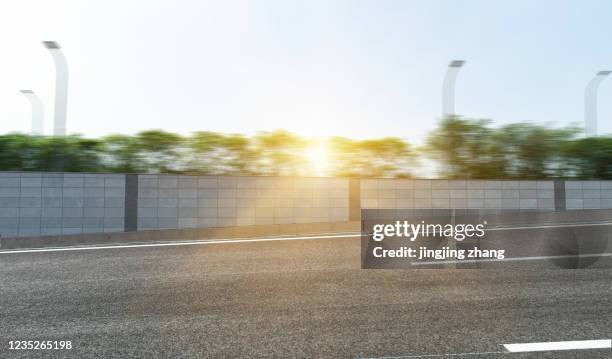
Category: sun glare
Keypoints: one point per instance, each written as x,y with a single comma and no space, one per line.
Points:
317,155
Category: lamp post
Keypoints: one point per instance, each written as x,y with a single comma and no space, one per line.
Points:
38,113
448,88
61,87
590,103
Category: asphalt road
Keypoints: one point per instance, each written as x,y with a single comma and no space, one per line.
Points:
289,299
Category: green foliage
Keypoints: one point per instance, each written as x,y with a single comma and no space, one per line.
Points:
279,153
371,158
16,152
589,158
159,150
472,149
35,153
463,148
466,149
70,154
533,151
215,153
121,154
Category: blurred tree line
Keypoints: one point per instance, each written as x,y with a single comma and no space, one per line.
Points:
155,151
461,148
467,148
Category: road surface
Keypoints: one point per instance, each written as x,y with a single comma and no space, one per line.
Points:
303,298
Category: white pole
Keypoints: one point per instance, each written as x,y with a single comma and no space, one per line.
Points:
590,103
61,87
448,88
38,113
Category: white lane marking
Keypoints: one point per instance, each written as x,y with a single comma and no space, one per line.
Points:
176,244
439,355
552,346
518,348
201,242
515,259
557,225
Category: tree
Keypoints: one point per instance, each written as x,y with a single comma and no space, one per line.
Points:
467,149
204,152
121,154
280,153
239,156
533,151
472,149
589,158
160,151
385,157
17,153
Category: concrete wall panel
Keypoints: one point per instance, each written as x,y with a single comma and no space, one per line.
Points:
68,203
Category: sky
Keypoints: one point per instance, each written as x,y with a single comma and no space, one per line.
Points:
361,69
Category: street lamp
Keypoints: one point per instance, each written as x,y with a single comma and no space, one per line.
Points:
448,88
37,112
590,103
61,87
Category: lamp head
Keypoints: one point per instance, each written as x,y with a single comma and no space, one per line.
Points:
456,63
604,73
51,45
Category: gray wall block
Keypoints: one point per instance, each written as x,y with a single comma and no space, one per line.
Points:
54,203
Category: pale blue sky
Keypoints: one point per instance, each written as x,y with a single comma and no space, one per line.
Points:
353,68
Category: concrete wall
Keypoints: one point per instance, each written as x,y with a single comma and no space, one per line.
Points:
588,194
400,193
166,202
34,204
57,203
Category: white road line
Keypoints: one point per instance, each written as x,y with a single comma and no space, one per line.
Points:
556,225
515,259
552,346
176,244
415,356
517,348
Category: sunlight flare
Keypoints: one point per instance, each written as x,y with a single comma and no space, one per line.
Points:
318,157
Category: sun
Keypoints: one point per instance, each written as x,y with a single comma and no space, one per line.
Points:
317,155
